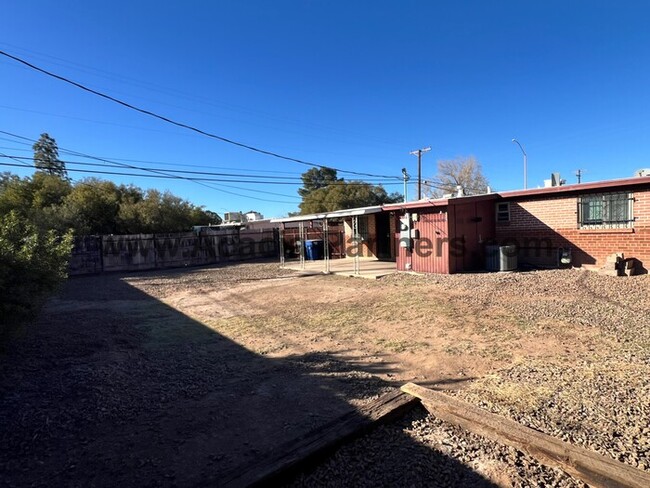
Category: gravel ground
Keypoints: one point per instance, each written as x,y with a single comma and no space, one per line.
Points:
617,306
420,450
112,387
170,282
601,402
73,396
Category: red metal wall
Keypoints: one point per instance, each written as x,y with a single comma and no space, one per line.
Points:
430,253
452,238
470,225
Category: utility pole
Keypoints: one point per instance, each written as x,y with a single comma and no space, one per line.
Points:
418,153
406,178
579,175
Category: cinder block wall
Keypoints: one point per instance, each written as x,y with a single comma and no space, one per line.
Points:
556,219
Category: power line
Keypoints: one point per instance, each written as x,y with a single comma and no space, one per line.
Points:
117,173
108,162
181,124
177,177
148,85
22,163
202,175
159,174
146,161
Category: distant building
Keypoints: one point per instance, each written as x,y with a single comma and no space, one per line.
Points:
232,218
253,216
241,217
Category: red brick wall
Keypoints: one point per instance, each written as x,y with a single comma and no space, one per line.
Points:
556,219
367,249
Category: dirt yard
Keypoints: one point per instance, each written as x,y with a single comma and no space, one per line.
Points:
175,378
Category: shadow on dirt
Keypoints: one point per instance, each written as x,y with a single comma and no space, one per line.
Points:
111,387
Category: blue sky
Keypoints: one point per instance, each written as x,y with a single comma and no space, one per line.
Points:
353,85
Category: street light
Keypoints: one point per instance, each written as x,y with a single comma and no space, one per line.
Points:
406,178
525,163
418,153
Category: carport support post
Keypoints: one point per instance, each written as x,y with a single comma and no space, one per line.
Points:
326,245
301,233
281,243
357,242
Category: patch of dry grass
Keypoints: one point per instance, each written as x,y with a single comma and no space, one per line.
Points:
460,348
343,322
397,346
497,389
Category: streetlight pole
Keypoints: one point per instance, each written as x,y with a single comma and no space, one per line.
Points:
525,163
406,178
418,153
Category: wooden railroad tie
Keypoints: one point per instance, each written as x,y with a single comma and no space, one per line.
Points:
592,468
299,454
306,450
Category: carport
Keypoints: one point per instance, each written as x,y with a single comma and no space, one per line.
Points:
360,243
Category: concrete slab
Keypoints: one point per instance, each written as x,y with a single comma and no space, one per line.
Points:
368,268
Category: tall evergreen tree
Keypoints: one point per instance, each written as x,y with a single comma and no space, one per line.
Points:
46,157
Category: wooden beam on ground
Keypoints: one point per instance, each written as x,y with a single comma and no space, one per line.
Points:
588,466
297,454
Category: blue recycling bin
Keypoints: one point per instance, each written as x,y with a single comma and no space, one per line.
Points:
314,249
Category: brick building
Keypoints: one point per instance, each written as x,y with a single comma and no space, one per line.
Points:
581,223
570,225
590,220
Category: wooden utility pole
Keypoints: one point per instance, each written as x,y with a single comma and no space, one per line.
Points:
418,153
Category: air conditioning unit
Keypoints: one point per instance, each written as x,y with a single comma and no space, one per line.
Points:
642,172
501,258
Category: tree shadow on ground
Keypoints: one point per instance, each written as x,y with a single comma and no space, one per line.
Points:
112,387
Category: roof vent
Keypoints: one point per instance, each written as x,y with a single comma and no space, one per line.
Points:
642,172
556,180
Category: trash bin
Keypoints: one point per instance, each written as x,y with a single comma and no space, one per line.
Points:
314,249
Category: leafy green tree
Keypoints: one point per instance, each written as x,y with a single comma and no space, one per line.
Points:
317,178
37,198
48,194
49,190
159,211
15,194
92,207
344,195
207,217
46,157
129,219
32,263
95,206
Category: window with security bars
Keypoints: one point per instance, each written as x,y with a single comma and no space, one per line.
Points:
605,211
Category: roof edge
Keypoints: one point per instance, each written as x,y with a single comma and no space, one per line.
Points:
551,190
351,212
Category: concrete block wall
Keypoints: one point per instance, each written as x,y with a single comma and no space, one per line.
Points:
556,219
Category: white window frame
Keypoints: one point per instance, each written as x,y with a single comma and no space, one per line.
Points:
500,212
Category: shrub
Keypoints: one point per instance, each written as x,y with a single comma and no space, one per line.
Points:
32,263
